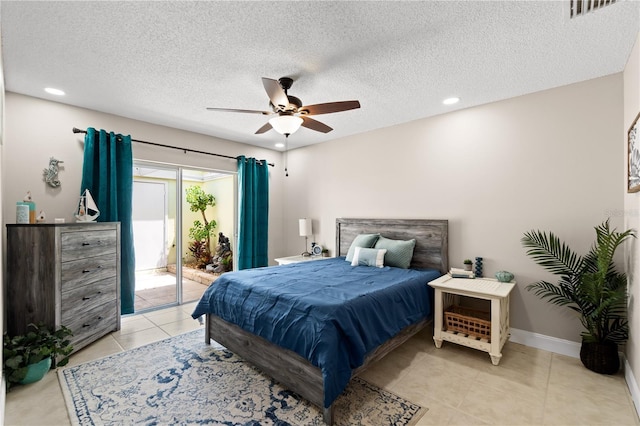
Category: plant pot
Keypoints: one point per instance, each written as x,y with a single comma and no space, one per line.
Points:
600,357
36,371
467,266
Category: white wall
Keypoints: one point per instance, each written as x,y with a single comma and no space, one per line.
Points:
550,160
37,129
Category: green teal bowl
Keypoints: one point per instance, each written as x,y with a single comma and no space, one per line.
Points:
504,276
36,371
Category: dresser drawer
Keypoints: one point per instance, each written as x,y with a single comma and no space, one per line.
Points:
78,273
81,299
83,244
88,327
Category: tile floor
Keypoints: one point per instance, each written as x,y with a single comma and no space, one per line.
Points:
154,289
458,385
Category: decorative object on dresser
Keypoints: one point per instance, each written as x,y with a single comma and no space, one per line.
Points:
64,274
87,209
504,276
590,285
468,264
478,268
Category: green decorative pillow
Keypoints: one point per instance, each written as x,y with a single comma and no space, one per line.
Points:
362,240
368,257
399,252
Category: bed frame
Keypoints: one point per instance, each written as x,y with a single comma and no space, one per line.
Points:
297,373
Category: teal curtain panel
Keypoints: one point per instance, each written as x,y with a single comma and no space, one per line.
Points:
253,213
107,173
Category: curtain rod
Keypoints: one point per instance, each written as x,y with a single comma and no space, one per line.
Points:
76,130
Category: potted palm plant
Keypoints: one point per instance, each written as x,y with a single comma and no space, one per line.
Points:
589,285
28,357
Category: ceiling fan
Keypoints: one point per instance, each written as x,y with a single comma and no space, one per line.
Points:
289,112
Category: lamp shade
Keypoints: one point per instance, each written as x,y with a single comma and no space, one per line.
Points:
286,124
305,227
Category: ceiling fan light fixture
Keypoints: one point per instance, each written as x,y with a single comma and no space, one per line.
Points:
286,124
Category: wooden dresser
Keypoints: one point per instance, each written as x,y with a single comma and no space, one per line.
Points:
64,274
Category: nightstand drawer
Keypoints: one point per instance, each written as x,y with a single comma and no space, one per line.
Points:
81,272
83,244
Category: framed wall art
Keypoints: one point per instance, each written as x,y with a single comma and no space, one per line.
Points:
633,170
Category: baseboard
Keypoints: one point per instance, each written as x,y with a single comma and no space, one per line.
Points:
547,343
634,390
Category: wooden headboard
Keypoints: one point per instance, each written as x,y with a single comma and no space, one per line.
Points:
432,239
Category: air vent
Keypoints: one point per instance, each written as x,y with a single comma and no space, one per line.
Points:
582,7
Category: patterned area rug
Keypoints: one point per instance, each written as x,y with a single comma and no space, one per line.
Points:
181,380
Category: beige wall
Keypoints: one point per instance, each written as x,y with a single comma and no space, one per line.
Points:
550,160
632,209
37,129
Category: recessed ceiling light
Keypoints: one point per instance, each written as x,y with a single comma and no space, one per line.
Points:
53,91
279,145
451,101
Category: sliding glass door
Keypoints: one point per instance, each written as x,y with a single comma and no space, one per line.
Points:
168,234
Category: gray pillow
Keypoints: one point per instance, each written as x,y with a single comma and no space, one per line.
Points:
399,252
362,240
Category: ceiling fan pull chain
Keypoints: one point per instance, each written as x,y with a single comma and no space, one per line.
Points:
286,154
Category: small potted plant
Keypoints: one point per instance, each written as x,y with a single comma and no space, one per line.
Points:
467,264
28,357
325,252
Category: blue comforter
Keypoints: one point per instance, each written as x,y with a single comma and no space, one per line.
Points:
327,311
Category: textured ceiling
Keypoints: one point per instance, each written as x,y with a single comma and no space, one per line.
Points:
165,62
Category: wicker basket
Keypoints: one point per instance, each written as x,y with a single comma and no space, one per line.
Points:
469,321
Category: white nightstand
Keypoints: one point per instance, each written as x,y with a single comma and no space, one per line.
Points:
448,290
298,258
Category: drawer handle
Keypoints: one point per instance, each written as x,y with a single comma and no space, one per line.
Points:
89,297
89,325
86,244
84,271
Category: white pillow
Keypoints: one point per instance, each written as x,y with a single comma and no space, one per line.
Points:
368,257
361,240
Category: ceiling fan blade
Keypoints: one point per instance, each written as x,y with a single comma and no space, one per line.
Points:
275,92
264,128
249,111
312,124
329,107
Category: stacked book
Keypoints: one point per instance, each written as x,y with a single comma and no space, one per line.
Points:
461,273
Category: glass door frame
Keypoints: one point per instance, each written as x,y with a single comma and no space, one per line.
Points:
179,170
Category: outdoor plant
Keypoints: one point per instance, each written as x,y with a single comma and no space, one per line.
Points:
37,344
200,232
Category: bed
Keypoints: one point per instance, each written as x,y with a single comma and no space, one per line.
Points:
288,322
